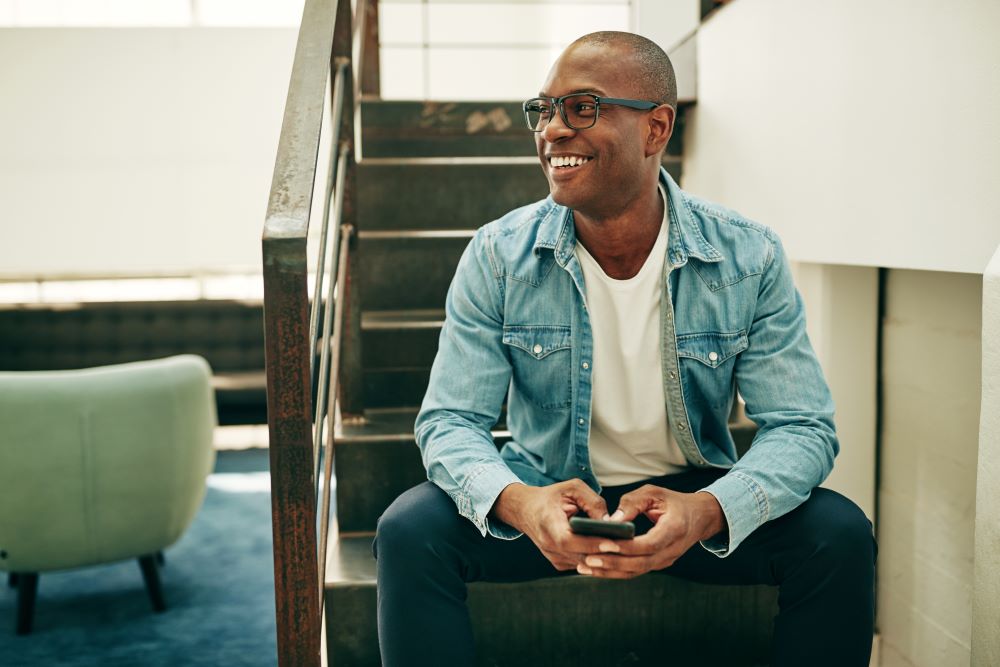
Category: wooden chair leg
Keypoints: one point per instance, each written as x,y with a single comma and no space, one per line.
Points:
151,575
27,588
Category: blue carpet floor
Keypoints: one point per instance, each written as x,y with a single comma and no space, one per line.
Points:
218,582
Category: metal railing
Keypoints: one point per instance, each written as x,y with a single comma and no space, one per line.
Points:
330,45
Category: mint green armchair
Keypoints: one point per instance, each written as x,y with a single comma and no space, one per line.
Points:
101,465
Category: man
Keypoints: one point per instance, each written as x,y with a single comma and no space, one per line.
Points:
622,314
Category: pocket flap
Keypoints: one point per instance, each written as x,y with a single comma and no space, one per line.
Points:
538,340
710,348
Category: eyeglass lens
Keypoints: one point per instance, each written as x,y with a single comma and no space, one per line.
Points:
578,111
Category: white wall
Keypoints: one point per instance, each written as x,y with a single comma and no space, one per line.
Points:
930,436
666,23
842,321
864,132
469,50
138,151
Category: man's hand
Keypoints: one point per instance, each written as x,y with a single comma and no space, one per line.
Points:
680,521
542,513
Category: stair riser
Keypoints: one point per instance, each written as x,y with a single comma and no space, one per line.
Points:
399,388
444,196
399,348
439,129
371,475
419,129
582,622
401,273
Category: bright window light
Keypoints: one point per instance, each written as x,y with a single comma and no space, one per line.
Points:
248,12
147,13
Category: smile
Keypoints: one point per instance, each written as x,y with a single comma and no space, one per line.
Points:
567,161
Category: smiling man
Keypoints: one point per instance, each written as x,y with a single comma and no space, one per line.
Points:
619,316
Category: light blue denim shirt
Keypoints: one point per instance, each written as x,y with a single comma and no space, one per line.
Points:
516,317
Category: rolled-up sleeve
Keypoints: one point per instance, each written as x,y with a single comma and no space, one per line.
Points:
468,381
786,395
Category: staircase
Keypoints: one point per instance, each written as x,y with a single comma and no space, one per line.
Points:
431,173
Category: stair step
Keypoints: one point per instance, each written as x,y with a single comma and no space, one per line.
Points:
400,339
395,387
377,461
445,193
400,270
418,128
404,128
451,193
568,621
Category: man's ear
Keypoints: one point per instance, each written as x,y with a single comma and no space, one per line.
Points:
661,126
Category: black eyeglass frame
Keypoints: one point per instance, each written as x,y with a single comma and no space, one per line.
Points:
557,102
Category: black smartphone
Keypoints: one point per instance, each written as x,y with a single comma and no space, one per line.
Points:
617,530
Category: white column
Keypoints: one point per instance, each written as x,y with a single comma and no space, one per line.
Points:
986,573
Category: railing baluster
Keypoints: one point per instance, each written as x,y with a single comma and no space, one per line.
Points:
337,106
322,410
324,524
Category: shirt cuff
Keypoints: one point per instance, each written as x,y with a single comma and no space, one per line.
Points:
482,489
745,506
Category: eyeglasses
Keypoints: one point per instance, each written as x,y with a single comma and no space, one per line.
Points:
579,111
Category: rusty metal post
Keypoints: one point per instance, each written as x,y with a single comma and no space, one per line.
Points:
370,65
293,500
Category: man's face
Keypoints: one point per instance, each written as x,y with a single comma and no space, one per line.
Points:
612,152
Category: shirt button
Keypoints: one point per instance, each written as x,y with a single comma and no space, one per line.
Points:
586,365
583,468
537,349
713,356
580,421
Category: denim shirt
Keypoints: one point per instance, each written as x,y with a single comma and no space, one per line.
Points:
516,318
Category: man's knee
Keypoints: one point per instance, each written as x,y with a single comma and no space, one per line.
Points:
839,530
420,517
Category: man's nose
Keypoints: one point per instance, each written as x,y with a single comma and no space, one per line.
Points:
556,128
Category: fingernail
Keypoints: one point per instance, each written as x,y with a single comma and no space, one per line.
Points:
618,515
594,561
609,547
583,569
605,517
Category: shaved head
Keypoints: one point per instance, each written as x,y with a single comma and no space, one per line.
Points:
654,78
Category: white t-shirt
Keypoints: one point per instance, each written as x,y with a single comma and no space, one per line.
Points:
629,436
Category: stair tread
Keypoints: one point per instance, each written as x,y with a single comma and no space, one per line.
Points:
350,560
391,425
417,318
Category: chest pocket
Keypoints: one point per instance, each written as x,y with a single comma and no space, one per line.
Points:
541,356
707,363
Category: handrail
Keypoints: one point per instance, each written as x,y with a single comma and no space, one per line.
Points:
324,50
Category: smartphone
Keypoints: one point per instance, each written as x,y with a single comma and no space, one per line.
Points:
618,530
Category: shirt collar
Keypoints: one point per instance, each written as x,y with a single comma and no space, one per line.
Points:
557,233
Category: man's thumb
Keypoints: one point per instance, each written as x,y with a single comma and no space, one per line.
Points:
627,510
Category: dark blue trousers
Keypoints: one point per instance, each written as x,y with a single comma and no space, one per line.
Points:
821,556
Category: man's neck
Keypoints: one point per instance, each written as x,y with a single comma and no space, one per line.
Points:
622,242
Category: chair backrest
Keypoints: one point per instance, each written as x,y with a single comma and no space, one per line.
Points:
101,464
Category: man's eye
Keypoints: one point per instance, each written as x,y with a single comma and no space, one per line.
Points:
585,107
541,108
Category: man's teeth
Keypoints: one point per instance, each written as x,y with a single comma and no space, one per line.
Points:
567,161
